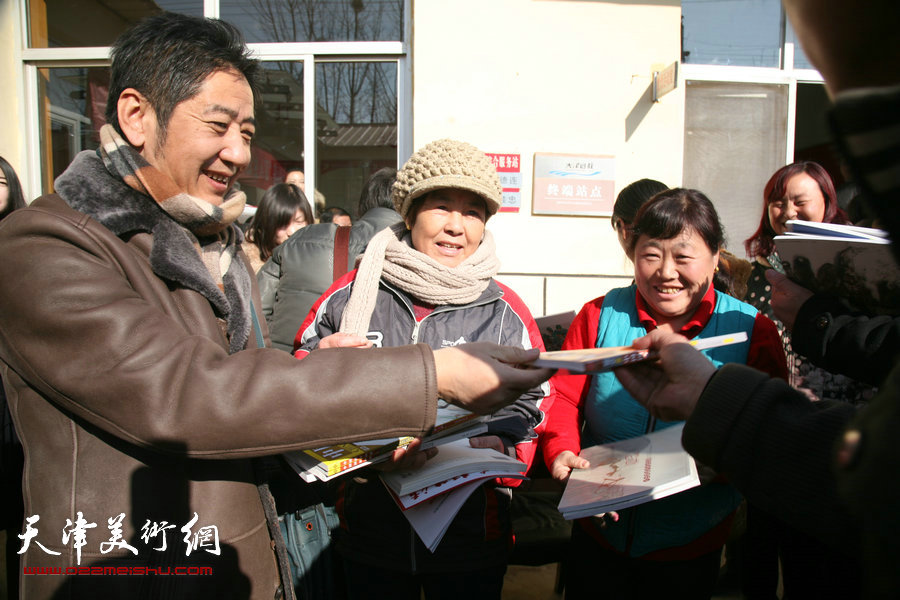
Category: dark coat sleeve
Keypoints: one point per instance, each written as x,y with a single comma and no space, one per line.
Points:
776,446
835,338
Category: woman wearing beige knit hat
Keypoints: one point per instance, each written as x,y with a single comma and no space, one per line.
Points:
430,279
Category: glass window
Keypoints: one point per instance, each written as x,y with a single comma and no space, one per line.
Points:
800,60
316,20
356,131
278,143
731,32
735,137
356,100
74,100
75,103
67,23
356,124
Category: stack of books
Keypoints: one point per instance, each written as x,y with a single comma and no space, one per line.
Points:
327,462
430,496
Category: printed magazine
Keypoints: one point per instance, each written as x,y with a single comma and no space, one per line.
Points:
628,473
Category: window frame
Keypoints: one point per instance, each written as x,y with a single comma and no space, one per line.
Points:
784,74
32,60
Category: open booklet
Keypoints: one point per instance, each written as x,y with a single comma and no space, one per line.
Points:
453,459
431,496
432,518
327,462
853,263
628,473
595,360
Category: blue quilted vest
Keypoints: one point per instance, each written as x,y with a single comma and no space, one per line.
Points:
611,414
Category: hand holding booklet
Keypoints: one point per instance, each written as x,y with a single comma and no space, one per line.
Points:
853,263
326,462
628,473
596,360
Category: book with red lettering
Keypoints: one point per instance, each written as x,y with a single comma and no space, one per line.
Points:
628,473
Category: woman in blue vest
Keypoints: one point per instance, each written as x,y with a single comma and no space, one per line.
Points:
668,548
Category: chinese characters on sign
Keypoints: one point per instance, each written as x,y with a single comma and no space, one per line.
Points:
205,538
570,184
508,168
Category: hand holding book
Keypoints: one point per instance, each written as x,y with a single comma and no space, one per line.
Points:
331,461
596,360
410,456
564,463
670,386
787,297
852,263
627,473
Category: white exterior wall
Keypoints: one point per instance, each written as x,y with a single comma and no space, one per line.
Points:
516,76
12,140
526,76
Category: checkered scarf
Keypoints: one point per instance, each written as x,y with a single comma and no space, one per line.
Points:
204,227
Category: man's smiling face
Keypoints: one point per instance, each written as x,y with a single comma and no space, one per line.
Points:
207,141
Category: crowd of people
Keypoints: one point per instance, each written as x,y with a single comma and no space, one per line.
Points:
162,359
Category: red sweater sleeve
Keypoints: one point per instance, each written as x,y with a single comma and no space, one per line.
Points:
766,350
564,419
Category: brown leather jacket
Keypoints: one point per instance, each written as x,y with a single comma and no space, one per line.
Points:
126,401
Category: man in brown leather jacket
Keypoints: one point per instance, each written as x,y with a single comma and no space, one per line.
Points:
129,336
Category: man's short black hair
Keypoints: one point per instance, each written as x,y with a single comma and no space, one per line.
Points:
328,215
377,191
167,57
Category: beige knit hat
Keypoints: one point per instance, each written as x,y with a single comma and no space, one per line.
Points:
447,164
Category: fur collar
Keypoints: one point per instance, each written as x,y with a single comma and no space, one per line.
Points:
89,188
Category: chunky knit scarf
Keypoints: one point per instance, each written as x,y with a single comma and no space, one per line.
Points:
194,242
390,255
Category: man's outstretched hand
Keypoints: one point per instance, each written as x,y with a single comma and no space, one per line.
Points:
484,377
787,297
670,386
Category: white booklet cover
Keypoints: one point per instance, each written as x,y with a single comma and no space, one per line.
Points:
431,518
853,263
629,472
431,496
455,458
407,501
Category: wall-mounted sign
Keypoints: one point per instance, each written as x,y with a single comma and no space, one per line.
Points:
510,173
574,184
664,81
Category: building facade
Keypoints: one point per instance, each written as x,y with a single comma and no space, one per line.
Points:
574,99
